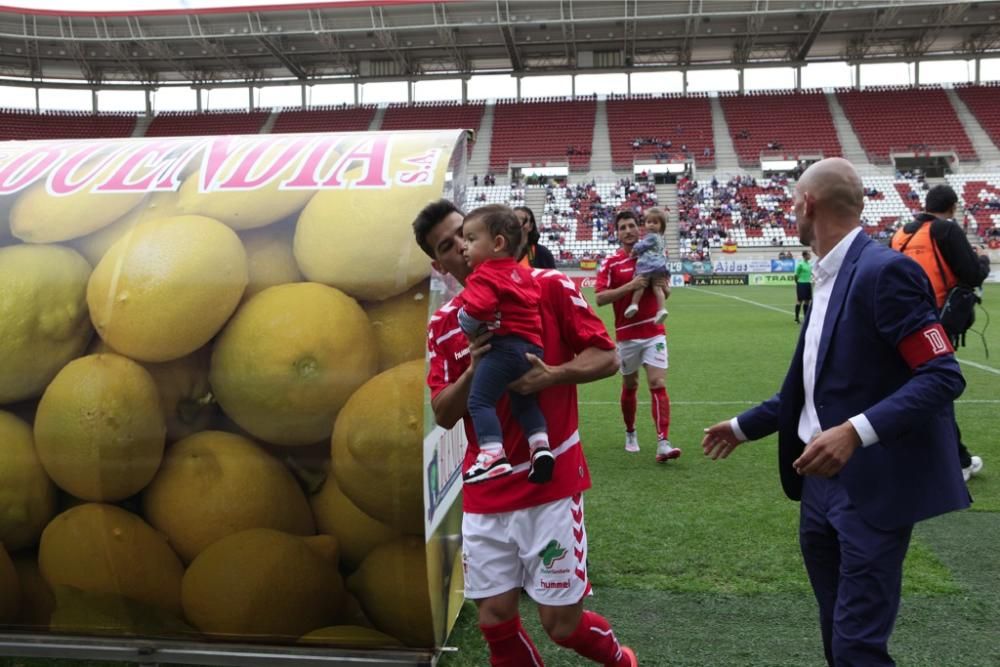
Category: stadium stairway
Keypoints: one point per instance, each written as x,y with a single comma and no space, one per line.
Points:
141,125
479,161
845,132
668,198
726,161
600,147
534,198
988,153
268,125
376,123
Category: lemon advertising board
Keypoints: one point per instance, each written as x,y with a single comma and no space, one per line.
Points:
212,407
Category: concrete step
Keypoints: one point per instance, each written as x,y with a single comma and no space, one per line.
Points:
479,161
726,160
269,122
376,123
600,148
849,142
985,147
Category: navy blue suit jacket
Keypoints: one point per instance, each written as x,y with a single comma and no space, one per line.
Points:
912,473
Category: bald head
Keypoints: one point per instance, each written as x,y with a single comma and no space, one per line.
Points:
834,188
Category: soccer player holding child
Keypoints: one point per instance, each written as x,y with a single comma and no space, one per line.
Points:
651,263
501,297
642,341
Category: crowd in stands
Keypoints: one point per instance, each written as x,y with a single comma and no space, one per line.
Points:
665,147
488,179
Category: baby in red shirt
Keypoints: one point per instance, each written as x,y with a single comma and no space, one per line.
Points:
501,297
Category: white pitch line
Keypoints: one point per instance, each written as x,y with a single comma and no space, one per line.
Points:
982,367
752,303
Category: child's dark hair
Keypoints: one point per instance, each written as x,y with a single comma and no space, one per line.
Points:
500,220
431,216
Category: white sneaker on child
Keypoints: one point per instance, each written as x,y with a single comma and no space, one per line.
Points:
661,315
631,310
487,466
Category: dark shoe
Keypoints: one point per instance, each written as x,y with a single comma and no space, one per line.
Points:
543,462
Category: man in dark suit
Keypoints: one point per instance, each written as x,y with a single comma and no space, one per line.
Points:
864,418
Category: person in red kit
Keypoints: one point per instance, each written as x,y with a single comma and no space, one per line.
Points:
642,341
517,535
501,297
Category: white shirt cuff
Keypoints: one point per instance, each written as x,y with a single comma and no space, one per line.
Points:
734,424
864,429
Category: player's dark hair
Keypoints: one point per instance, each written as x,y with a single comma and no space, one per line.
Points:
500,220
431,216
626,214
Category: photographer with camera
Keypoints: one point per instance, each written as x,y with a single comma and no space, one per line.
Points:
935,241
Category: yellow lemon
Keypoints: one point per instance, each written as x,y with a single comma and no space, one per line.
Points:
248,208
289,359
379,265
377,447
78,611
37,600
186,398
41,217
270,258
399,324
43,316
356,532
10,589
99,429
213,484
264,582
27,495
93,246
167,286
350,636
104,549
392,587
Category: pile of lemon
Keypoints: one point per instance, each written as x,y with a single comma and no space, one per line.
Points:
211,414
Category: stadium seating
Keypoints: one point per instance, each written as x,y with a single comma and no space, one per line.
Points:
325,119
678,119
905,119
800,123
980,197
984,103
192,123
542,131
483,195
27,125
434,116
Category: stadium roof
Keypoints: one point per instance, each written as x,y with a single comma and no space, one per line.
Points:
400,39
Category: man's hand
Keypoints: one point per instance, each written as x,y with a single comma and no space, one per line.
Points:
639,282
828,452
538,377
478,347
719,440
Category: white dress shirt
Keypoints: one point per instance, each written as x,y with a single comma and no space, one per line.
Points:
824,277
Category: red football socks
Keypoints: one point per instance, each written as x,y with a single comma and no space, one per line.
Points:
510,645
594,639
628,407
661,412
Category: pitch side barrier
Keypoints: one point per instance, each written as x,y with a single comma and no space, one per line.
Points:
216,445
721,272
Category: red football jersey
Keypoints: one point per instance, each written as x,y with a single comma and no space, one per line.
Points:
503,294
615,271
569,326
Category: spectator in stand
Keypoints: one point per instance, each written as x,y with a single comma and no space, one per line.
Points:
538,256
948,259
475,180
